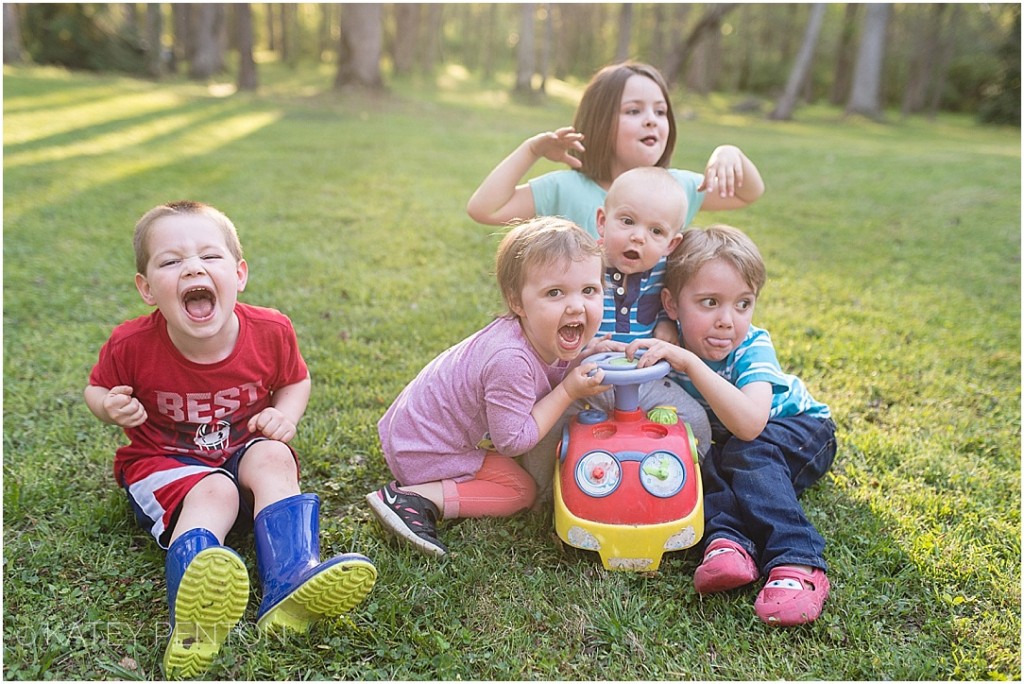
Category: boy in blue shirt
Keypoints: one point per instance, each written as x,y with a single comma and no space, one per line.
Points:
771,439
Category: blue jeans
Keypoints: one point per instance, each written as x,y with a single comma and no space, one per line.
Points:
751,491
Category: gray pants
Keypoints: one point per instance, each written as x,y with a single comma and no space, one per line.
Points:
540,461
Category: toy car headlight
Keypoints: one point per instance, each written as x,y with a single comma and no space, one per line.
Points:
662,474
598,473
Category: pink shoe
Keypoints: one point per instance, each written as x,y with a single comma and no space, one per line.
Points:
791,596
726,566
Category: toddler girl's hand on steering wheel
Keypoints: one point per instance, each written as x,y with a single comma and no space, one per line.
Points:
586,380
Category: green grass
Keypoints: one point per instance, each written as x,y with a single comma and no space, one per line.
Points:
894,291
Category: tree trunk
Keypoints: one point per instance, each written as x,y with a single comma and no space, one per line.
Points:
844,56
657,47
154,40
545,48
247,79
430,49
325,39
488,43
271,27
711,20
802,67
525,55
865,95
181,46
942,69
360,48
625,32
13,52
207,58
289,34
922,66
407,36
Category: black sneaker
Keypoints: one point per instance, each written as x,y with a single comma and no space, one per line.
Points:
409,516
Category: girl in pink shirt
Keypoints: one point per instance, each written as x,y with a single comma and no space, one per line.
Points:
450,436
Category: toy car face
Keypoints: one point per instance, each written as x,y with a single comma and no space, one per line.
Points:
628,488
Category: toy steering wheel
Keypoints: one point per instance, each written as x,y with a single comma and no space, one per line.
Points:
618,370
626,377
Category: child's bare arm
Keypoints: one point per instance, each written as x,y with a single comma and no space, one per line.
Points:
500,198
578,383
731,180
280,420
743,411
115,405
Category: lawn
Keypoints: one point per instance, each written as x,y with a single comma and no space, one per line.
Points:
894,291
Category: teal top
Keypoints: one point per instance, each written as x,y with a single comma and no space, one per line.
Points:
755,361
574,196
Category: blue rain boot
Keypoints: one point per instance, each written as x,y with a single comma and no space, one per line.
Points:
297,588
207,590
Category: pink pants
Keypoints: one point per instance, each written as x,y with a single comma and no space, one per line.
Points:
499,489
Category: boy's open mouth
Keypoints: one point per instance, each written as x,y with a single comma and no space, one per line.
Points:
199,303
631,254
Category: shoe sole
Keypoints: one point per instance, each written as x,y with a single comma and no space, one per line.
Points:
332,592
390,521
211,600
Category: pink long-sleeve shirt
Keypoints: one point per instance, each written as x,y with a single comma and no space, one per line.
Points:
475,397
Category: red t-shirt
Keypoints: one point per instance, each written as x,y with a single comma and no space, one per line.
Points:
198,410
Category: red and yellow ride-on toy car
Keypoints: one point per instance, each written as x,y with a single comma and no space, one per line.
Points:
627,485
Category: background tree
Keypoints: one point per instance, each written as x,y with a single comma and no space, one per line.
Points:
922,72
288,30
842,76
867,73
710,21
547,45
154,44
12,35
622,47
431,52
247,77
525,54
205,26
78,36
942,69
1002,104
405,45
954,57
325,36
802,67
360,48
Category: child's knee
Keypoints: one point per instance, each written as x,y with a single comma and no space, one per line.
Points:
528,490
269,456
216,487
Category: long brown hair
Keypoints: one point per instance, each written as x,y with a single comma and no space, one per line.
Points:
597,117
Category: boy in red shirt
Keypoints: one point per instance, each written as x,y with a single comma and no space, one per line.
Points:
209,392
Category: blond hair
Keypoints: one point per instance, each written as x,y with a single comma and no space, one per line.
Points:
718,241
145,225
536,243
